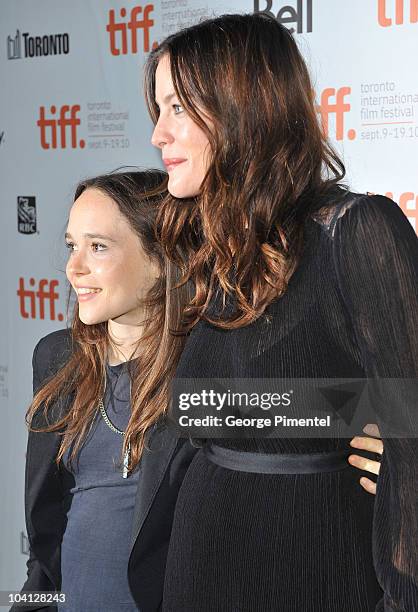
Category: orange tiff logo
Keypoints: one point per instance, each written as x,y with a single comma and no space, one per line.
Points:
118,30
382,12
49,127
36,299
338,108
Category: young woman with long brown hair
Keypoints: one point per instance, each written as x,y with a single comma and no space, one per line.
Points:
295,277
98,525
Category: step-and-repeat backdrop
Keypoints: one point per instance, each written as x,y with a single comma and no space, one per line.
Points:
71,105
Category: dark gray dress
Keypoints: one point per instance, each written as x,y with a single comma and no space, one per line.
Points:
95,547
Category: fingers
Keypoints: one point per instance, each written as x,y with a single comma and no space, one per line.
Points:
371,429
374,445
368,485
364,464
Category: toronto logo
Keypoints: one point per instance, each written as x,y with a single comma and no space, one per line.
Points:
13,46
23,45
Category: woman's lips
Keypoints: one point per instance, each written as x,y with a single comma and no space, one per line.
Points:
85,297
173,162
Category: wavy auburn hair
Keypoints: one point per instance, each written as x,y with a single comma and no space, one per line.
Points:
271,164
138,196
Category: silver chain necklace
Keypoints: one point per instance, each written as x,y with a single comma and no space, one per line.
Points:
127,455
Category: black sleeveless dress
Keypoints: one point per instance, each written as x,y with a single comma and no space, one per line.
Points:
249,542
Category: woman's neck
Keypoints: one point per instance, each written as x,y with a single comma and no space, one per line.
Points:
123,339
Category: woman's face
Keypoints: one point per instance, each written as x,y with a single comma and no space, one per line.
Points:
107,266
184,145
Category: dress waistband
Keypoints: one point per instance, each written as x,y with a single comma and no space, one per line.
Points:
272,463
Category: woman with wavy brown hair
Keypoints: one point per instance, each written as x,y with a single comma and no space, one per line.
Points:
102,470
296,277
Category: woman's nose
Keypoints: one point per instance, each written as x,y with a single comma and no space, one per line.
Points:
161,134
77,264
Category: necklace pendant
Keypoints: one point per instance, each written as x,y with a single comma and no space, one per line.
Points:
125,472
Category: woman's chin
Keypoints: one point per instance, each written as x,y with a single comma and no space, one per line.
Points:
180,190
90,320
177,193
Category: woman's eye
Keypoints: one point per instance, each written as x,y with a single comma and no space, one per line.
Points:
100,246
96,246
177,108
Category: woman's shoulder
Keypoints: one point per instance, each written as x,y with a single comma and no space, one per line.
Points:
52,351
348,212
57,340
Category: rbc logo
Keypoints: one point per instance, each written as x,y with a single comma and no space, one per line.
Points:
26,214
44,293
386,21
67,119
338,108
133,25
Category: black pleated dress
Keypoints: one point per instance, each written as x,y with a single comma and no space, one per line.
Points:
257,542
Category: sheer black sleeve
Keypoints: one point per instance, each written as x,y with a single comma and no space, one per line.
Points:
376,260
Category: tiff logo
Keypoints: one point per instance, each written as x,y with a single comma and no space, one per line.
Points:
13,46
386,21
44,293
50,127
338,108
26,214
288,14
118,31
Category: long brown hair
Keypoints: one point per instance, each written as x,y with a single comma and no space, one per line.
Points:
138,196
271,164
